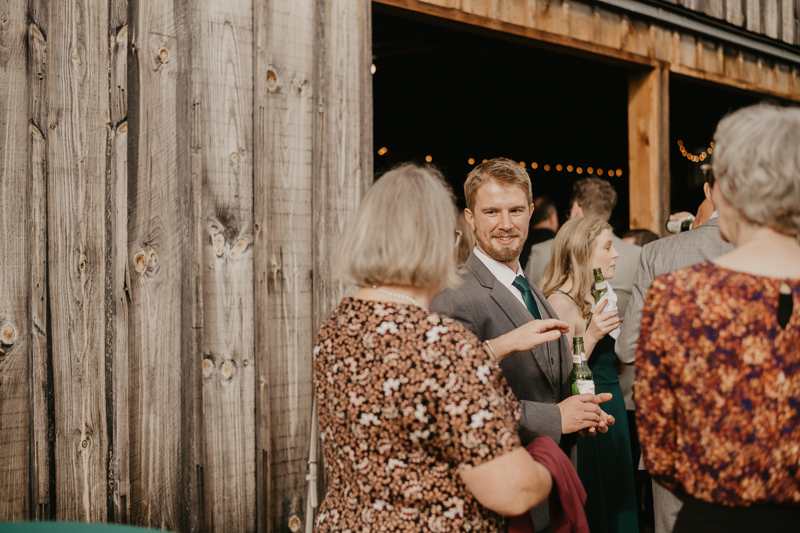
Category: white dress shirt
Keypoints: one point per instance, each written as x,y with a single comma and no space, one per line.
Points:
505,275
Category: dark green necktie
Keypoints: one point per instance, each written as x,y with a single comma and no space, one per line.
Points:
527,296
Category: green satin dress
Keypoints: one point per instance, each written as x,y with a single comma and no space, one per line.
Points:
604,461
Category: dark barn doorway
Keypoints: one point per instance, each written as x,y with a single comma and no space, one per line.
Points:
460,97
695,110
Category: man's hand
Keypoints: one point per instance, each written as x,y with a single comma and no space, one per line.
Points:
583,412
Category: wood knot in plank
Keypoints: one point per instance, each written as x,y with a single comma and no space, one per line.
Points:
123,128
35,32
140,262
8,334
272,78
53,126
37,133
122,34
163,54
294,523
227,370
208,367
238,248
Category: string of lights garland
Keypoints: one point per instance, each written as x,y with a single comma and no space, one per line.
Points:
535,166
696,158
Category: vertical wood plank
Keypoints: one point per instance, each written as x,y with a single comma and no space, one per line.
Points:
116,297
770,14
343,154
788,21
41,408
284,118
648,137
159,209
733,12
77,90
753,15
222,58
14,281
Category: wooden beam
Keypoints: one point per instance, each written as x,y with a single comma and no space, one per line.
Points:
77,96
222,79
41,406
648,158
116,289
159,257
15,137
284,115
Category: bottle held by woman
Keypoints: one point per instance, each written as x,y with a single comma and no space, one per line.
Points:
582,259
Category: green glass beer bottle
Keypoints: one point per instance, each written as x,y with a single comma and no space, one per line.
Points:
600,288
581,377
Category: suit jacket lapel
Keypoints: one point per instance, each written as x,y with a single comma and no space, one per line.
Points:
516,312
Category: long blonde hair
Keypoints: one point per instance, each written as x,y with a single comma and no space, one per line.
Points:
569,258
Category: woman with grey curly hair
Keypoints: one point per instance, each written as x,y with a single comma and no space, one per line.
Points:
718,362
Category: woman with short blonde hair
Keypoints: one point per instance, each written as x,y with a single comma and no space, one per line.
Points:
419,428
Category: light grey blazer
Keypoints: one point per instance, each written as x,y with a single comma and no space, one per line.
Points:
538,377
703,243
623,274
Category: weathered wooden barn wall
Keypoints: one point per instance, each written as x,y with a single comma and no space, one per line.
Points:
653,51
174,178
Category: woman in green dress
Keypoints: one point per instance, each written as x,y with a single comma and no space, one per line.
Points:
604,461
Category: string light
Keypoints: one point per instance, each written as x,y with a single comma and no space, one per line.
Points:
599,171
471,161
579,170
485,160
559,167
696,158
619,172
428,158
382,151
534,165
590,170
373,68
569,168
522,164
547,168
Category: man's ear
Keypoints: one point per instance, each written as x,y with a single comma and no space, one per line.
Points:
707,192
470,219
529,216
576,211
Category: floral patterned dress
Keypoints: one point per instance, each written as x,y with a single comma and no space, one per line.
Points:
407,398
718,387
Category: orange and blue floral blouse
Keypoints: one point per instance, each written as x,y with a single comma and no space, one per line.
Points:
718,386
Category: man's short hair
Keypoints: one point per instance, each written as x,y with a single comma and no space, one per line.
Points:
543,207
595,196
500,170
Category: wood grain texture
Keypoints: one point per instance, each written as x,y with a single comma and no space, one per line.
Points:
116,295
158,217
77,90
343,167
15,137
648,137
284,112
222,57
41,407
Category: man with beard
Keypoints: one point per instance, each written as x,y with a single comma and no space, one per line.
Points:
496,299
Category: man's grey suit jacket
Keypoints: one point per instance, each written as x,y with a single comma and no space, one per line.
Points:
703,243
488,309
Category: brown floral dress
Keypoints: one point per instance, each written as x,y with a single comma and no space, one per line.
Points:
718,387
406,398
